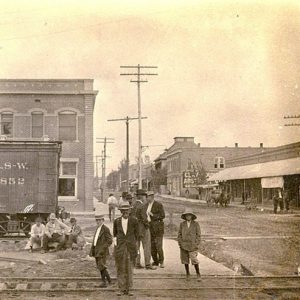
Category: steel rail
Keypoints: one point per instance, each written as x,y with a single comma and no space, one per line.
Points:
166,276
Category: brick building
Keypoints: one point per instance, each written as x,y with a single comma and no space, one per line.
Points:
258,175
57,109
185,155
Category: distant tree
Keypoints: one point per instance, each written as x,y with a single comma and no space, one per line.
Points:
112,180
201,173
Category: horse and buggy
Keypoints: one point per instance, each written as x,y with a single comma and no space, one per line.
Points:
217,197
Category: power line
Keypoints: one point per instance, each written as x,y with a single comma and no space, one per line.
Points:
292,117
127,119
138,81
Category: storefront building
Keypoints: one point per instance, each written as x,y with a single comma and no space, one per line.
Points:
55,109
275,168
185,155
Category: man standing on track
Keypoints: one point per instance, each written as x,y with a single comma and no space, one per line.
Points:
144,238
100,248
155,216
125,237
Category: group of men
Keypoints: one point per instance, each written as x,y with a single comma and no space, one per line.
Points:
141,224
281,199
55,231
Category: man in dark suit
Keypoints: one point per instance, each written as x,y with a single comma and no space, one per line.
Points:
155,215
100,248
125,237
144,238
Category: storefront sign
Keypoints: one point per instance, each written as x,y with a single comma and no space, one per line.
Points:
191,179
272,182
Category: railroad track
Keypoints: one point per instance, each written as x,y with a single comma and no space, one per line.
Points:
13,238
170,284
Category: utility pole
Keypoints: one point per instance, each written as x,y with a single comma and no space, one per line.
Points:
127,119
138,80
292,117
104,141
97,170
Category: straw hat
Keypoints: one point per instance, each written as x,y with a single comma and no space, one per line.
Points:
125,206
99,217
188,211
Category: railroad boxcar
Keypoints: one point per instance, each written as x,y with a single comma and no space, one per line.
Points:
29,174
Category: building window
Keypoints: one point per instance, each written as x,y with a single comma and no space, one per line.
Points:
7,123
68,180
222,163
67,126
37,124
219,162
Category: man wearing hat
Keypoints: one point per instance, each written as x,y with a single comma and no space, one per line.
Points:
54,232
36,233
129,198
189,239
126,233
75,236
100,248
140,212
155,216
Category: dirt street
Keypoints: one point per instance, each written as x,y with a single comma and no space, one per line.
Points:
267,253
260,256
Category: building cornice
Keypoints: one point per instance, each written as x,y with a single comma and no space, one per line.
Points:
48,93
47,86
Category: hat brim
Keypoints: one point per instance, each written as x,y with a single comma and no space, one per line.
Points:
194,217
125,208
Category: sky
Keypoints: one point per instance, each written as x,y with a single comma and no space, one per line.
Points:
228,71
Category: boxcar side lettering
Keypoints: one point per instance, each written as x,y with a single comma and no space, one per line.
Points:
3,180
7,166
22,165
12,180
21,180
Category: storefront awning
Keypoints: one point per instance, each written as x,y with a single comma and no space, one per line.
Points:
268,169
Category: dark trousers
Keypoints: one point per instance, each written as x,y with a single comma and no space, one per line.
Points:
287,204
157,252
111,212
70,240
124,265
275,203
55,238
101,262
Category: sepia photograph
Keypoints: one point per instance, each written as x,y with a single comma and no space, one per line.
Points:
150,149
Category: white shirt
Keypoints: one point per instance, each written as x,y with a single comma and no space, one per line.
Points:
37,230
97,235
149,210
124,225
112,201
188,223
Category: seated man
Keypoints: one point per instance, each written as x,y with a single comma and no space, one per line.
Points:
75,236
36,233
54,232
